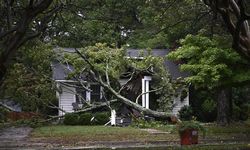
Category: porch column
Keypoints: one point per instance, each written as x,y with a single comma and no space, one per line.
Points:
88,93
145,89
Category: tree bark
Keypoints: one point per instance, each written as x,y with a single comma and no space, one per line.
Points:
98,78
236,19
19,35
224,105
132,104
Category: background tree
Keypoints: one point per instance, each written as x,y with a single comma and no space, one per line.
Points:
165,22
28,81
86,23
135,24
20,22
235,14
215,66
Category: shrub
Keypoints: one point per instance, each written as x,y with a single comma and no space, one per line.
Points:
101,118
185,113
85,119
240,112
71,119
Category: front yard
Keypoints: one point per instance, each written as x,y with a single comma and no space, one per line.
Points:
233,136
98,133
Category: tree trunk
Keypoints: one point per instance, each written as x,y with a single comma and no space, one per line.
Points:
224,105
134,105
12,42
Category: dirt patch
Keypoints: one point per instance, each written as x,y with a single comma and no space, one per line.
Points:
154,131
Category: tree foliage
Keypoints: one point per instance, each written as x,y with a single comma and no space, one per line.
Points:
211,63
20,22
235,15
111,63
28,81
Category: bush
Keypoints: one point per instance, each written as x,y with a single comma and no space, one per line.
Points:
71,119
85,119
186,113
240,112
101,118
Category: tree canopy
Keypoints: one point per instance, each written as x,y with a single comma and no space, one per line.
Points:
210,62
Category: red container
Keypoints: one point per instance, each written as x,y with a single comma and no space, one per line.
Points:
189,136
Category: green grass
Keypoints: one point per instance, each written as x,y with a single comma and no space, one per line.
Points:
96,133
231,129
75,134
51,131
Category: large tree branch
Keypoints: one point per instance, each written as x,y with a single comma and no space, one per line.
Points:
97,77
137,98
19,36
236,18
106,104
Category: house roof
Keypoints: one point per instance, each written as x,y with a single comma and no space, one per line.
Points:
173,68
61,71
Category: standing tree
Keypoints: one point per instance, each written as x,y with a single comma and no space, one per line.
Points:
28,80
235,14
20,22
214,66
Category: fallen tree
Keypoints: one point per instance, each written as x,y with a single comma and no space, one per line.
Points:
107,71
92,107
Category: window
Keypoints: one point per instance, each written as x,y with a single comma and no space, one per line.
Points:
81,95
95,93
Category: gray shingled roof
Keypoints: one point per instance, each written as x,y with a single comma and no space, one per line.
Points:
172,67
61,71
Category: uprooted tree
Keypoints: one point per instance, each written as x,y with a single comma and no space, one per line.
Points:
105,65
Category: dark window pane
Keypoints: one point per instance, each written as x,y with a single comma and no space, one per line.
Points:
95,93
81,95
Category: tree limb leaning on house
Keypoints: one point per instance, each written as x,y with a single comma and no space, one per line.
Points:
94,58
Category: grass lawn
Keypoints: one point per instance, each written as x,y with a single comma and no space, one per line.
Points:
97,133
80,134
233,131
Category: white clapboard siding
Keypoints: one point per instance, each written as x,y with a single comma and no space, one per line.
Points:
66,98
178,104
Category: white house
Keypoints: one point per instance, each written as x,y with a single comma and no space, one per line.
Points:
69,94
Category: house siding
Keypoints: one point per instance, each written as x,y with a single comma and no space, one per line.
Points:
66,98
178,104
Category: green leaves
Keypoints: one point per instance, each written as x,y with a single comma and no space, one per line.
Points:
28,81
209,62
113,61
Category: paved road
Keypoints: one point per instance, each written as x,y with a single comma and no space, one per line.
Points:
13,136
